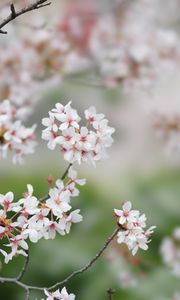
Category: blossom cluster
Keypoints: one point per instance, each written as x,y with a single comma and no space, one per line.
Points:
42,57
170,251
167,128
133,232
63,295
130,48
14,136
127,50
33,219
78,143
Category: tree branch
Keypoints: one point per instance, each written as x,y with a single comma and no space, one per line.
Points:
27,288
14,14
27,294
110,293
24,268
89,264
66,172
62,178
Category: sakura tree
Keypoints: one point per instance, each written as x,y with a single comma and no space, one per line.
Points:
104,47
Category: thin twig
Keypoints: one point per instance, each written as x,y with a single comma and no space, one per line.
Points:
75,273
15,281
66,172
44,198
14,14
27,294
89,264
110,293
24,268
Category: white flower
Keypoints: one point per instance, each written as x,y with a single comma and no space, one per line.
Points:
13,133
66,222
92,116
40,219
68,118
14,244
58,202
32,233
72,174
51,137
33,219
29,202
15,137
51,228
81,144
170,252
126,214
6,201
59,109
50,123
63,295
68,136
132,231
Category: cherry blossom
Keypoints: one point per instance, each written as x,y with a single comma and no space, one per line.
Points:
80,144
15,242
6,201
66,222
133,232
133,50
71,185
63,295
126,214
118,51
58,202
32,219
170,252
72,175
167,128
14,136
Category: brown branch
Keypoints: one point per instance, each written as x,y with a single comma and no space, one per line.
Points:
14,14
62,178
24,268
27,288
89,264
110,293
66,172
13,11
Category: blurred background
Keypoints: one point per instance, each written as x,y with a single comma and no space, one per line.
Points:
141,168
